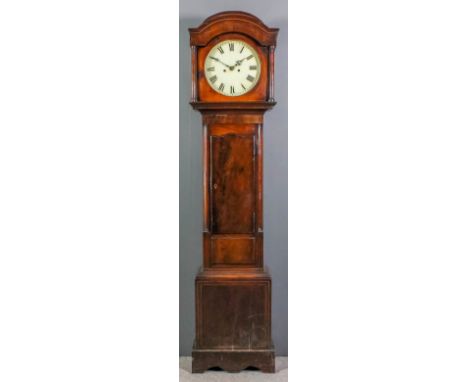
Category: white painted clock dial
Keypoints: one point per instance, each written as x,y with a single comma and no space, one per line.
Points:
232,68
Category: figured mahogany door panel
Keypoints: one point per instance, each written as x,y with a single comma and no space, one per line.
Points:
235,315
229,250
232,186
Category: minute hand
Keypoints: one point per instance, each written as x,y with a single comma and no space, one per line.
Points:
214,58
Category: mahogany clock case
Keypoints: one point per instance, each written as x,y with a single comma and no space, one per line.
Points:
233,289
232,228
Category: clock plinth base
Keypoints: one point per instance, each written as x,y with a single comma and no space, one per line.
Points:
233,361
233,320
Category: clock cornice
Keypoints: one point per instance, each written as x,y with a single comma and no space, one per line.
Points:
233,21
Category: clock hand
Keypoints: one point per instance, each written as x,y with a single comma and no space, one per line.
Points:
240,61
226,65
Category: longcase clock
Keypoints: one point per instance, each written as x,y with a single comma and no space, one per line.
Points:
232,87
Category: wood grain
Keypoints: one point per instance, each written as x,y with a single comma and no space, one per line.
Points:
232,171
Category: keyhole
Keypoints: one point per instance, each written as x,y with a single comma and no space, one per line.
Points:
215,186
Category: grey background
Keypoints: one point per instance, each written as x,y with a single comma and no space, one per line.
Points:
274,14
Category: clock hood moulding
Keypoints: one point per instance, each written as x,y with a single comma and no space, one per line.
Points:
254,106
233,21
233,25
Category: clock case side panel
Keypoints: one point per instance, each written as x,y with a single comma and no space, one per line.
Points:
242,247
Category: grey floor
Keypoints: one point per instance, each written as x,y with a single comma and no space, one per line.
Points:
185,375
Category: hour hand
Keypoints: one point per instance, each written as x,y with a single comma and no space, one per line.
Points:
240,61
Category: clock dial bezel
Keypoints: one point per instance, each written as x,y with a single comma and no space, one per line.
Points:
209,64
205,93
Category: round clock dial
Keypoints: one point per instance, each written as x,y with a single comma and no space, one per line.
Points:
232,68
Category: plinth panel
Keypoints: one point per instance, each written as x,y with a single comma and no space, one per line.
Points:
234,315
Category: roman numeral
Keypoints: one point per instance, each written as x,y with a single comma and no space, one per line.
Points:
232,90
210,69
220,50
213,79
221,87
253,67
243,87
250,78
242,49
231,46
251,56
